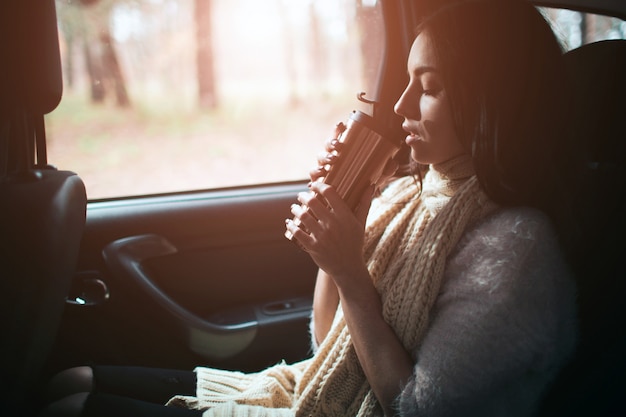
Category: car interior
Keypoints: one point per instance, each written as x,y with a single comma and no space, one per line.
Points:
206,277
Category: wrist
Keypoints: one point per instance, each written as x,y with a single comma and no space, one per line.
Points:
357,286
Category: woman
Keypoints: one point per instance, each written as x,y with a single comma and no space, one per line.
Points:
448,296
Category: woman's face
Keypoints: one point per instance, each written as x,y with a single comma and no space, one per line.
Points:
425,107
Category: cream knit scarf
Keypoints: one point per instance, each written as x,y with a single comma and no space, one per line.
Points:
408,239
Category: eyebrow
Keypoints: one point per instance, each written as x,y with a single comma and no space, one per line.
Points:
423,70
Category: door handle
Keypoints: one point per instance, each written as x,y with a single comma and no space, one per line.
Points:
216,341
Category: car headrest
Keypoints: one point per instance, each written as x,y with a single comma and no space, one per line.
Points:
598,128
597,102
30,76
597,142
598,79
598,76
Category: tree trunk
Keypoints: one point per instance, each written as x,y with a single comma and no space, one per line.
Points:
69,61
113,71
94,72
103,68
207,97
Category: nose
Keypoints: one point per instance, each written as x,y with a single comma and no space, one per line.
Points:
405,107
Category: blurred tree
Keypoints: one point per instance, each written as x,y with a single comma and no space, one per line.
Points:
207,95
88,22
70,26
112,72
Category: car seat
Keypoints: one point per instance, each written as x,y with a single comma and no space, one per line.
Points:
593,383
42,209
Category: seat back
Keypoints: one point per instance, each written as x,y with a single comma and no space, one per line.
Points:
593,383
42,209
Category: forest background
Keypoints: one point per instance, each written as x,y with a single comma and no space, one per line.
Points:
172,95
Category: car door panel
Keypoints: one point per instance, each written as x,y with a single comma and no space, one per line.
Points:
239,293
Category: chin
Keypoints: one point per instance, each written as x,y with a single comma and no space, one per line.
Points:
420,158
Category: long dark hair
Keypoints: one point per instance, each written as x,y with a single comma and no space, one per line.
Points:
502,67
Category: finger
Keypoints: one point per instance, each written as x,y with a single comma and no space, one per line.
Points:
305,197
304,218
317,173
326,158
316,206
330,195
294,233
333,145
340,127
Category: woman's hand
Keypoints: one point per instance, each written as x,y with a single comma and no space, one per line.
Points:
328,157
333,236
323,225
330,232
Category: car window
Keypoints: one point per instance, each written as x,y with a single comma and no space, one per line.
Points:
165,96
172,95
576,28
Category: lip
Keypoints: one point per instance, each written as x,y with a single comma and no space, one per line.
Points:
412,130
412,136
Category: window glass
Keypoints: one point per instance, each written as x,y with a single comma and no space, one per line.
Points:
576,28
172,95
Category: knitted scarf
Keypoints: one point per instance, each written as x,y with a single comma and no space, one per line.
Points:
409,236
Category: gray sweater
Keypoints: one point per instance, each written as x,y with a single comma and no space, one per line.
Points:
502,326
